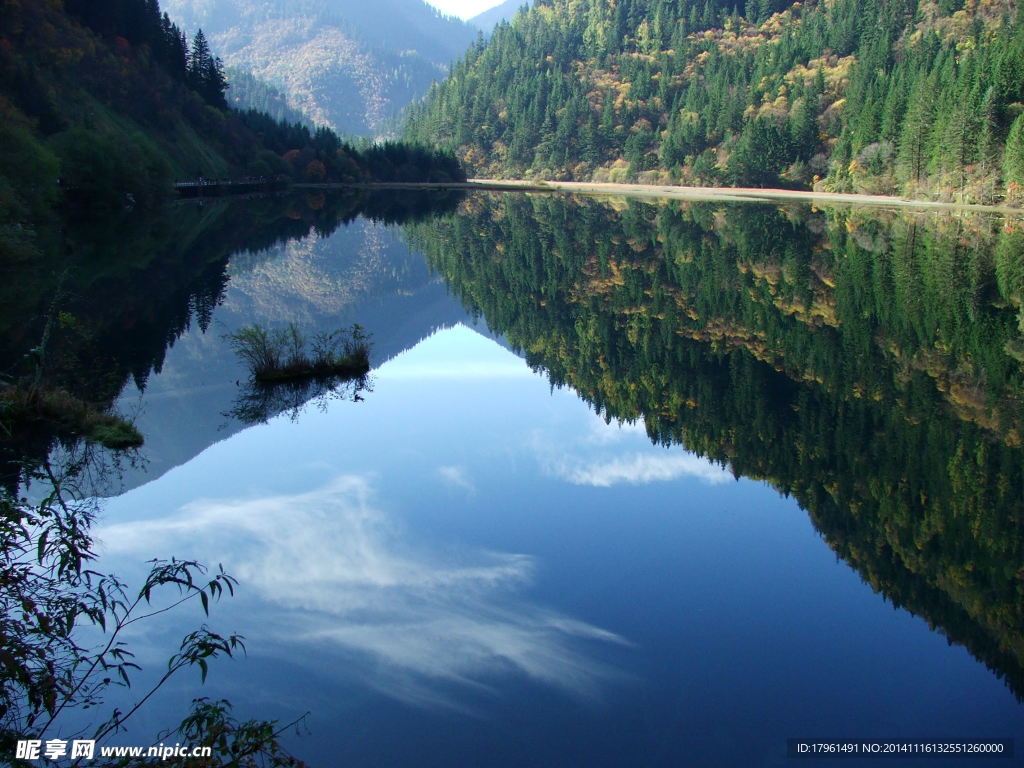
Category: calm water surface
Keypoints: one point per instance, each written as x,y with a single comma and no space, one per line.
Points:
486,560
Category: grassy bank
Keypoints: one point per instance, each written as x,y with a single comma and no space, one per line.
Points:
23,409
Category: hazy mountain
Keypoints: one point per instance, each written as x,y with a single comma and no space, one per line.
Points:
348,64
246,91
492,17
362,273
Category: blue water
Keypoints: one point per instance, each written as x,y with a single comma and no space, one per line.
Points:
470,569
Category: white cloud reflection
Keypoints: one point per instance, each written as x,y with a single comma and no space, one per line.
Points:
457,477
600,432
615,453
333,572
639,468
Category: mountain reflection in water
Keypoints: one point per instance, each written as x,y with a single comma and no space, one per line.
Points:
604,556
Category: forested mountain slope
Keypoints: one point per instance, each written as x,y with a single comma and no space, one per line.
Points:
245,91
348,64
103,105
103,102
908,96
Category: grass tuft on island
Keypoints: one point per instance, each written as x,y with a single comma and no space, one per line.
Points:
286,354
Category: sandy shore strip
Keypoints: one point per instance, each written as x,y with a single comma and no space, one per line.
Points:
666,192
732,194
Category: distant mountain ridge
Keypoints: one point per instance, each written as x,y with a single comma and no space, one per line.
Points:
492,17
346,64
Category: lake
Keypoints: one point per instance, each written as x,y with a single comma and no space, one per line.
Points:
629,483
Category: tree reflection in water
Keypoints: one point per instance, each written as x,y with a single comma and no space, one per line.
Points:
866,362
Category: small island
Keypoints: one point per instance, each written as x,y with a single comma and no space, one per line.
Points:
286,354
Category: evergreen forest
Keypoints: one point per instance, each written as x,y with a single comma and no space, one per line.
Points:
910,97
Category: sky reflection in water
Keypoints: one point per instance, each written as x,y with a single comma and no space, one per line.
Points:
467,543
333,568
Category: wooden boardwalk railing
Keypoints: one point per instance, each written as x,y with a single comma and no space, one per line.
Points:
204,187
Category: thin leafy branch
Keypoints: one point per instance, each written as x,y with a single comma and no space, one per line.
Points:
50,591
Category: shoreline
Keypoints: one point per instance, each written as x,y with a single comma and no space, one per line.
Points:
728,194
668,192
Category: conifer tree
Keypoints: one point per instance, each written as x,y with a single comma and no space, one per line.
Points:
199,61
1013,157
206,72
913,148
